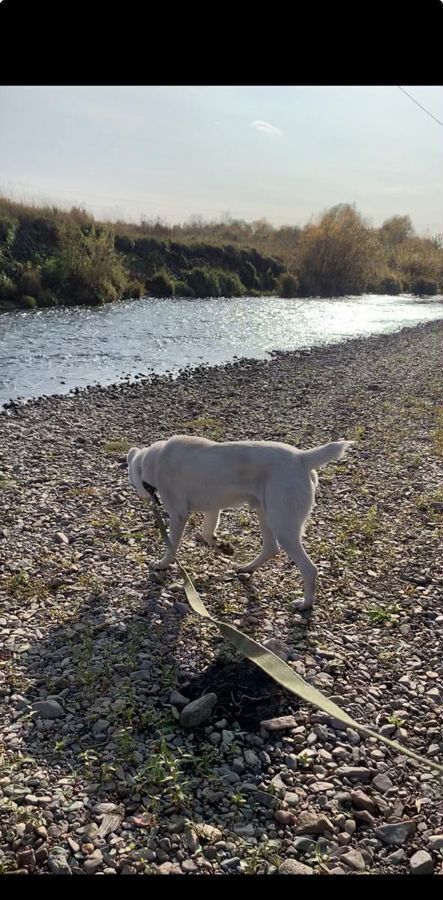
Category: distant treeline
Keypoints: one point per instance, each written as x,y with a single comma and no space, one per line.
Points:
51,257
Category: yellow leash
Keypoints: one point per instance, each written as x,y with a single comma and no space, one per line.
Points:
275,667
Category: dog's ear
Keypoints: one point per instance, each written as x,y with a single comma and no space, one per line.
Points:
132,452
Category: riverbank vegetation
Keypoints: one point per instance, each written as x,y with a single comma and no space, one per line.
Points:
51,257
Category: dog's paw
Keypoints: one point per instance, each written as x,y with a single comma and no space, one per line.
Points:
205,540
244,570
302,605
160,564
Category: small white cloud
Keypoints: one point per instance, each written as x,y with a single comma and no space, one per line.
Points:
266,127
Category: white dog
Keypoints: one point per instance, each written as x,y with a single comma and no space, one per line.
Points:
194,474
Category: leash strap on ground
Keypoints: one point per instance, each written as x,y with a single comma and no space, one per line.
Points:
275,667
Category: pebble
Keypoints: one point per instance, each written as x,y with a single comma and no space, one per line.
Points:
310,823
360,800
421,863
396,858
189,866
280,723
436,842
284,817
354,773
233,863
58,863
354,860
26,858
93,862
396,832
177,699
199,711
294,867
382,783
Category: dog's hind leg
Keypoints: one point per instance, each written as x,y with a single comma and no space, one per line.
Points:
269,549
210,525
287,513
295,550
177,525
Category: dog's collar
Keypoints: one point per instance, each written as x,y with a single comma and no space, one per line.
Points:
152,491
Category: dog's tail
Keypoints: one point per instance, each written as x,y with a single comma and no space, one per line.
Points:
320,456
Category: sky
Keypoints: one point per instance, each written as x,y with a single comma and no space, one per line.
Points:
280,153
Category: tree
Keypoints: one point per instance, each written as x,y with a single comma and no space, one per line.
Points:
396,230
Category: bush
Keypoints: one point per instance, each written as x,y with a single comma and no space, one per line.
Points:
203,282
338,255
27,302
124,244
390,284
161,285
35,238
29,282
146,246
287,285
424,286
396,230
134,289
8,290
87,270
269,281
46,299
182,289
248,275
8,229
230,285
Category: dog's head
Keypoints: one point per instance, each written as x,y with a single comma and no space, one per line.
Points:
134,470
141,469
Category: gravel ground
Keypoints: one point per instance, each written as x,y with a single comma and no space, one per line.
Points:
103,768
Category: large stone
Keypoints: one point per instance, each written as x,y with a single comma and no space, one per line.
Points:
178,699
319,787
281,723
360,800
395,832
396,858
199,711
309,823
382,783
421,863
291,798
284,817
100,726
57,862
265,798
26,858
48,709
354,860
354,773
294,867
278,647
208,832
436,842
93,862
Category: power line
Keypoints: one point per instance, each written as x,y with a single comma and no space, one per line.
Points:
421,107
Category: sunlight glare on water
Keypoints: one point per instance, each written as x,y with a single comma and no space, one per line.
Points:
53,350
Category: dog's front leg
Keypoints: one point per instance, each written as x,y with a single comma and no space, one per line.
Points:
177,525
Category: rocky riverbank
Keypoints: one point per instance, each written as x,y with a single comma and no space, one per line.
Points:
101,770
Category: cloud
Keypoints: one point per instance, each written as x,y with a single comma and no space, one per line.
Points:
266,128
